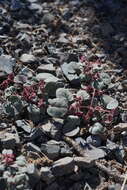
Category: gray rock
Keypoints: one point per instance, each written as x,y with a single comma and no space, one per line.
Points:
36,7
24,125
9,142
64,93
95,153
48,18
111,145
48,77
71,126
53,128
32,147
15,5
105,78
53,186
7,63
46,68
56,128
95,140
51,150
34,113
57,112
83,94
63,166
33,174
36,133
81,141
2,168
97,129
106,99
27,58
58,102
46,175
3,183
65,150
21,161
107,29
69,71
84,162
51,87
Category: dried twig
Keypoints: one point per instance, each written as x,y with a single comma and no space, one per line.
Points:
80,151
124,182
101,167
116,177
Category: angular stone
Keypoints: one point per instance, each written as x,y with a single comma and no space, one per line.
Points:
83,162
3,183
34,175
24,125
63,166
46,175
46,68
57,112
51,150
7,63
27,58
32,147
71,127
9,142
46,76
53,186
58,102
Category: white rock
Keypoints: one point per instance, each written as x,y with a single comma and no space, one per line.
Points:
27,58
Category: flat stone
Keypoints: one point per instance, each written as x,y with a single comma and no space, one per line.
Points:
9,142
7,63
83,162
69,71
58,102
46,68
51,150
27,58
46,76
63,166
32,147
71,127
95,153
57,112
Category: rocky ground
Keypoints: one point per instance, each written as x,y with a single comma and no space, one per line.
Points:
63,95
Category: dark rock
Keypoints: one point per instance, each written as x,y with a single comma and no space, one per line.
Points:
34,175
52,150
46,175
63,166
